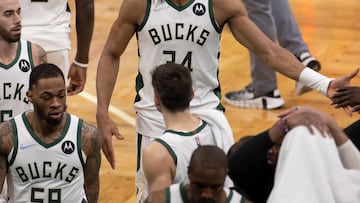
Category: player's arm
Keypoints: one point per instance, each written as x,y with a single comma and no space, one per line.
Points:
6,144
248,34
91,145
156,197
159,167
84,29
130,15
84,22
38,54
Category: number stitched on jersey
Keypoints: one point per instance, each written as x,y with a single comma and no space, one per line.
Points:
54,195
185,62
3,113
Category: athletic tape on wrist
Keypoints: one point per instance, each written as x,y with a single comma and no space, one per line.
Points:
315,80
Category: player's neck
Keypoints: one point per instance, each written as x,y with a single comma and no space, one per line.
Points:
181,121
180,2
45,131
6,57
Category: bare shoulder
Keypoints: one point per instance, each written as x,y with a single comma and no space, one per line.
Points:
38,54
225,10
156,197
91,139
6,137
133,10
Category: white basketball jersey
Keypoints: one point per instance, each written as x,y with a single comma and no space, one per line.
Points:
181,145
176,194
46,20
41,172
186,35
14,80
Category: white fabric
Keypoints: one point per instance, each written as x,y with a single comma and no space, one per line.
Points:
350,155
219,125
309,170
315,80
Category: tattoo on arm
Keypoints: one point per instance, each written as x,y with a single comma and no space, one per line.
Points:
42,56
91,144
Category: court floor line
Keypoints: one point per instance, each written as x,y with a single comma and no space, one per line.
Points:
112,109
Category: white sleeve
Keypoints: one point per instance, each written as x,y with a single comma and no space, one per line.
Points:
349,155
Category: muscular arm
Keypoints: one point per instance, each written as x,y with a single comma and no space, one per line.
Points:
91,145
38,54
248,34
84,28
130,15
159,167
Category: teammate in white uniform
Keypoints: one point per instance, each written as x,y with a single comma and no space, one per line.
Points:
51,156
207,171
166,159
186,32
47,23
17,58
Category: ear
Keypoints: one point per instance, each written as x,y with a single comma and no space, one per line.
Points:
192,94
157,102
29,95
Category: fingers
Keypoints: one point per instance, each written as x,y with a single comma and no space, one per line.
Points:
348,110
109,152
74,88
288,111
353,74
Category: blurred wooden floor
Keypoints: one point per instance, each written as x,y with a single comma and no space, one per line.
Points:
330,27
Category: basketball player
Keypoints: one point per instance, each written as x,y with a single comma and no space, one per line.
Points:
165,160
207,170
47,23
17,58
188,33
47,154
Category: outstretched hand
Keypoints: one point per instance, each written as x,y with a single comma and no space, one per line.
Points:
340,83
108,128
77,79
347,97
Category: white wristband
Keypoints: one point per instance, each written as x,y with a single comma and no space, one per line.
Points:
82,65
315,80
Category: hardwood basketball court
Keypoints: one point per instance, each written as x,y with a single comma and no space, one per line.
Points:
330,28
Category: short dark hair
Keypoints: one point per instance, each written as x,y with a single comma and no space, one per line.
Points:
209,156
173,84
44,70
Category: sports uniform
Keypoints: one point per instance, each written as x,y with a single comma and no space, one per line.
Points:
46,172
176,194
14,79
46,20
186,35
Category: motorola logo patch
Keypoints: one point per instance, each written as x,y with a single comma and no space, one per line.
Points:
199,9
24,65
68,147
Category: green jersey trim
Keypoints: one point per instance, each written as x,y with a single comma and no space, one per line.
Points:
15,141
18,51
78,142
33,134
168,148
31,60
180,8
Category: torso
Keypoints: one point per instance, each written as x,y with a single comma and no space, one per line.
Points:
46,20
185,34
14,79
39,169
